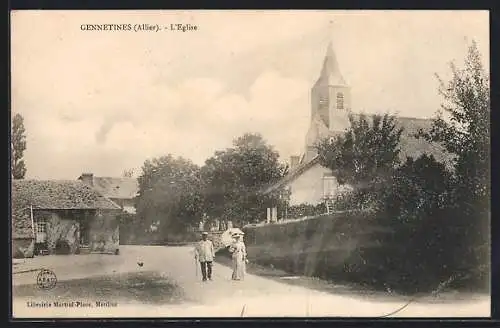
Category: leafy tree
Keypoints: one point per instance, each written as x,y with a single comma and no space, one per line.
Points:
462,126
170,193
364,157
365,152
128,173
18,144
235,177
418,188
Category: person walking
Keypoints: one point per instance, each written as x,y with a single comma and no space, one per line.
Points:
239,255
204,254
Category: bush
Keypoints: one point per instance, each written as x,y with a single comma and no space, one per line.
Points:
298,211
430,242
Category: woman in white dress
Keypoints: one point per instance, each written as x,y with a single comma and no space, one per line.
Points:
238,250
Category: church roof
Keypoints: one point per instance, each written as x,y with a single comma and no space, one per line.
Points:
330,73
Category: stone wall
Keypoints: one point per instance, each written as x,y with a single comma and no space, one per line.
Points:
104,233
64,227
23,247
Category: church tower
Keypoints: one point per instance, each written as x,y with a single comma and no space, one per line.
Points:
330,104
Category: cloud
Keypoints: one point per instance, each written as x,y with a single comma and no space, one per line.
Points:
105,102
192,119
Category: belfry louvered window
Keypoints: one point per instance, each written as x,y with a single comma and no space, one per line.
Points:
340,101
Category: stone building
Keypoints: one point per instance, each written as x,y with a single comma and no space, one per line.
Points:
121,190
62,217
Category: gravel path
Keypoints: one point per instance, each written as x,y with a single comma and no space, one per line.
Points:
168,285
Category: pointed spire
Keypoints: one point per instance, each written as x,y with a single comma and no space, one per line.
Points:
330,72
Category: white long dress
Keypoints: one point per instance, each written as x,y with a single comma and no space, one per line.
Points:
238,250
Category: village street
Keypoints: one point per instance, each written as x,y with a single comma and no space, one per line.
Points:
168,285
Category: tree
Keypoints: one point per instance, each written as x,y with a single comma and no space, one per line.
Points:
18,146
234,179
363,157
415,208
417,190
462,126
128,173
170,193
365,152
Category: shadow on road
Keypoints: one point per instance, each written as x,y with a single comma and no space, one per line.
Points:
354,291
143,287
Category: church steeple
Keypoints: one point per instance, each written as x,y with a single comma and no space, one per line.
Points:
330,102
330,73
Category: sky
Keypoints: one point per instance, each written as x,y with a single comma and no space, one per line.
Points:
106,101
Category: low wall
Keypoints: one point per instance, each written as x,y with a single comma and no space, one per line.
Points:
23,247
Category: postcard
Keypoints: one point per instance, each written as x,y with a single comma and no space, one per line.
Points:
250,163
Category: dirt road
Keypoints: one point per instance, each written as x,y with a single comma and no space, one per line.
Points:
168,284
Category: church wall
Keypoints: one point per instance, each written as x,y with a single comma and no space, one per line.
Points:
339,118
308,187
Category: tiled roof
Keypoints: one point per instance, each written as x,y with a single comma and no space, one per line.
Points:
59,194
120,188
51,194
413,147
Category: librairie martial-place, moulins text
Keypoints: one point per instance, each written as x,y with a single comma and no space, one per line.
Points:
144,27
70,304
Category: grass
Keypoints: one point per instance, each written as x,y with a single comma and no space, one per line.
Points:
143,287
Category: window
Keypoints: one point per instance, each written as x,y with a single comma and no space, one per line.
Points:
340,101
41,225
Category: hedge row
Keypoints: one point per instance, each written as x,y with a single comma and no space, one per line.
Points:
336,246
358,247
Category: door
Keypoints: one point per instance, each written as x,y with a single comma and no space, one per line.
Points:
84,233
41,230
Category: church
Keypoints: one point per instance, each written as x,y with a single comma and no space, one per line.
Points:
308,182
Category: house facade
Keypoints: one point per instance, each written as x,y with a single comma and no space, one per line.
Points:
121,190
62,217
308,182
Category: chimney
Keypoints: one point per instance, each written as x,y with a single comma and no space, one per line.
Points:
88,179
294,161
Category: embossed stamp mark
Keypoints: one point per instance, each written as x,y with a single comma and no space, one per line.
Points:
46,279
